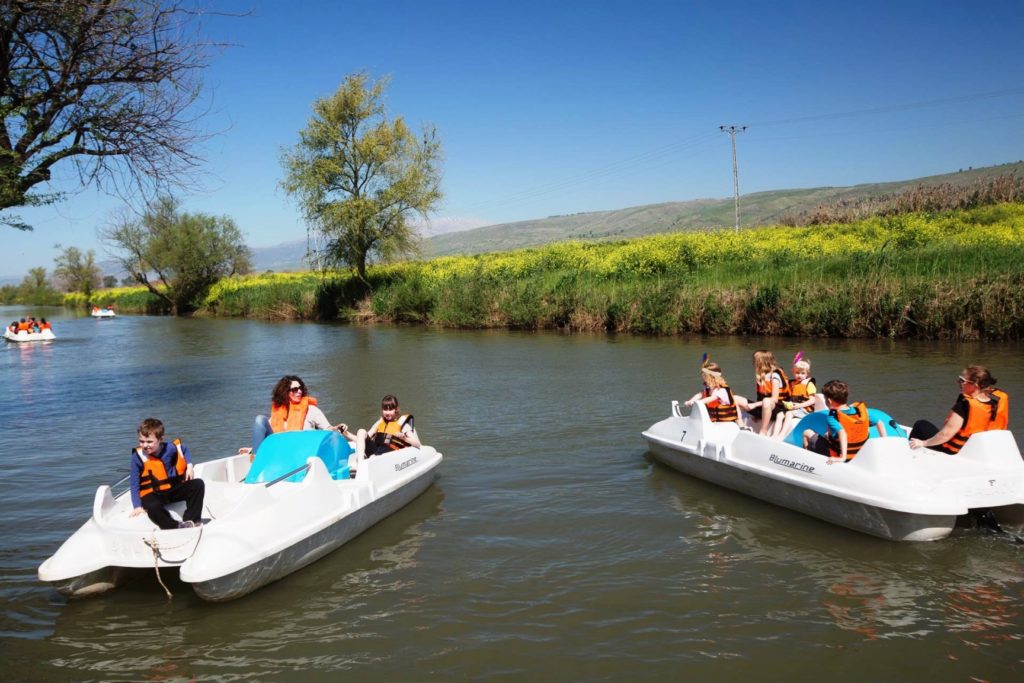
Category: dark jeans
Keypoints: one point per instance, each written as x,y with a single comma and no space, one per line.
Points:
191,492
924,430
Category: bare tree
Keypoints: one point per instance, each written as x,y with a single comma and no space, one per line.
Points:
108,85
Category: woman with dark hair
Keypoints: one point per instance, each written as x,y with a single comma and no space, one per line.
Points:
291,409
392,432
975,410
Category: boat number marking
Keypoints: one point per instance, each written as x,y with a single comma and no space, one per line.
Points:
402,465
683,436
991,482
786,462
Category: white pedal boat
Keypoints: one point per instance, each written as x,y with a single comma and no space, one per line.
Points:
888,490
23,336
261,520
103,313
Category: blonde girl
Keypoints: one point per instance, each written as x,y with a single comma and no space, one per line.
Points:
772,389
802,394
716,394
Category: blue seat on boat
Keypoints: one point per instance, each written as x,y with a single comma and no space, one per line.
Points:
282,453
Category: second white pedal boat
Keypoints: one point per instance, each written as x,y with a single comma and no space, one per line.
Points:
888,490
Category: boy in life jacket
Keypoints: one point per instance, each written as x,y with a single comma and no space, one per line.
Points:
801,401
848,426
162,473
391,432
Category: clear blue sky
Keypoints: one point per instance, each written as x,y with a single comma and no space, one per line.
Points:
554,107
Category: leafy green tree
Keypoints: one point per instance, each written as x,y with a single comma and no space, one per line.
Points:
109,281
36,289
75,271
107,86
359,176
178,256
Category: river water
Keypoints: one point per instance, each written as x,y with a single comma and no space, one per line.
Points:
550,547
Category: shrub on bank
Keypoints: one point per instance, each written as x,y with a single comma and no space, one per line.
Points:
124,299
954,274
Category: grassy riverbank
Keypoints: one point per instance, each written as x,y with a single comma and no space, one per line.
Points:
951,275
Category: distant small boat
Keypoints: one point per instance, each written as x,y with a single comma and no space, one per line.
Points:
23,336
103,313
293,504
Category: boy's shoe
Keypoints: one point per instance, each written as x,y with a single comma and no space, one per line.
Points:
187,524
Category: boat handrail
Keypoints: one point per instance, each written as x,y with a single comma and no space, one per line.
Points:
284,476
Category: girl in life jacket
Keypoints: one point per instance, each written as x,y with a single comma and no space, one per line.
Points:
975,410
802,396
391,432
716,394
772,389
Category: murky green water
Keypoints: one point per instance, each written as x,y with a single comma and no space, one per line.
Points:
550,547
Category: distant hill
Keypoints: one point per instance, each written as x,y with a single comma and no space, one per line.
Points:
759,208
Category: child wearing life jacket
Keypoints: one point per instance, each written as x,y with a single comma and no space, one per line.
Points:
716,394
390,433
772,388
162,473
802,392
848,425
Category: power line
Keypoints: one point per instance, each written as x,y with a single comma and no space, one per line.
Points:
732,130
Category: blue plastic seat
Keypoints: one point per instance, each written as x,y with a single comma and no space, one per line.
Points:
281,453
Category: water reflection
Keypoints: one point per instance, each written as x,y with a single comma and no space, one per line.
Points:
865,586
337,602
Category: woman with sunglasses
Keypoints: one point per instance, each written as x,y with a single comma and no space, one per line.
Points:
291,409
975,410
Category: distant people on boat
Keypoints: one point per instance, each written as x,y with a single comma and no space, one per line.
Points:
772,389
162,473
389,433
716,394
848,429
802,395
979,407
291,409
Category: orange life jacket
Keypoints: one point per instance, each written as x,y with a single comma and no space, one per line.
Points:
290,417
387,436
1002,420
23,327
764,387
154,475
45,326
856,427
719,412
798,392
981,417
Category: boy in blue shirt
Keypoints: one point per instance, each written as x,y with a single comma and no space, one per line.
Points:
162,473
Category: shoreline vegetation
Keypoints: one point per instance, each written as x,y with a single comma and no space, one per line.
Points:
952,274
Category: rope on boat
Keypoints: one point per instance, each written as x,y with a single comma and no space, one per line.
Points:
157,549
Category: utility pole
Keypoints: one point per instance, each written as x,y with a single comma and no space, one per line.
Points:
732,130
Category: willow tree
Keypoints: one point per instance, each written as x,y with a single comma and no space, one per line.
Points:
361,177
